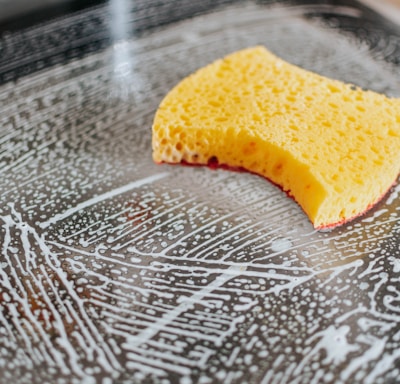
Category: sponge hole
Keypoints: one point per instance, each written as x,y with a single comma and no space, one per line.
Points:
360,108
249,148
333,88
278,168
361,138
213,162
257,118
214,103
338,189
392,133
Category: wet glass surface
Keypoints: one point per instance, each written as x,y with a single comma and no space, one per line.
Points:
115,269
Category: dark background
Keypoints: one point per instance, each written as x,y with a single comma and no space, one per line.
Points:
35,35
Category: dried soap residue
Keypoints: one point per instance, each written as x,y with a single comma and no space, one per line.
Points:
114,269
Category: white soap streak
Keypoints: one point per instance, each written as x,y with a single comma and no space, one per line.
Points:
145,232
178,362
63,340
333,341
335,271
93,224
82,267
374,320
27,158
385,364
263,236
160,367
140,366
105,196
99,302
257,270
286,282
394,194
30,180
221,320
194,232
214,266
104,355
169,322
136,320
5,323
24,301
225,236
367,357
199,332
176,327
281,244
186,303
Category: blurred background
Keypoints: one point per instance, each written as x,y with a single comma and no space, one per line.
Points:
38,9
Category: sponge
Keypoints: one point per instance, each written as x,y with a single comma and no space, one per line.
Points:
331,146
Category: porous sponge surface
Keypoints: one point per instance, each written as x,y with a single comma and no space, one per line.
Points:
331,146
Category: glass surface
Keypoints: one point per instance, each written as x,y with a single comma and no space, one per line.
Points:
115,269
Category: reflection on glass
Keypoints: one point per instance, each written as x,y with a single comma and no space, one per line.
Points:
122,62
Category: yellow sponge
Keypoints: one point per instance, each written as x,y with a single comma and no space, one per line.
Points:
331,146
